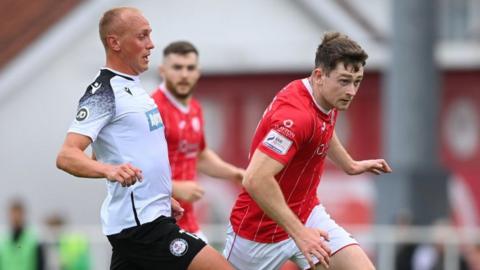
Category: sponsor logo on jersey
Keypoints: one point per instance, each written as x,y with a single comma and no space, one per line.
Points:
189,149
288,123
178,247
285,131
196,124
154,119
94,87
277,142
82,114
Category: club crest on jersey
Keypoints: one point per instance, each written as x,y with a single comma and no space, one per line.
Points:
154,119
82,114
182,124
277,142
178,247
324,126
322,150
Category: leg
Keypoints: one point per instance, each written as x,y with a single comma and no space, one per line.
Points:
209,258
289,265
244,254
347,254
348,258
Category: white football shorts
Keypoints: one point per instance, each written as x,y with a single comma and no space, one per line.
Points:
244,254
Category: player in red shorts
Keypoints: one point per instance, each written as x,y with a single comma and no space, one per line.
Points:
184,131
278,217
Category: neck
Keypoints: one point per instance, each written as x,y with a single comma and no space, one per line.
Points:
183,101
317,95
117,64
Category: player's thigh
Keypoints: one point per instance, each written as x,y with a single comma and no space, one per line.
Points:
244,254
209,258
339,237
350,258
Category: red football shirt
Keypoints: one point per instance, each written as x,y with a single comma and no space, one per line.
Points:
294,131
185,138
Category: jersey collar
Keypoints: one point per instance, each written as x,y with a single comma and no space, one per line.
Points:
309,88
134,78
173,100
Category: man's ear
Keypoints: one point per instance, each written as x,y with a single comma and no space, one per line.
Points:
113,43
318,75
199,71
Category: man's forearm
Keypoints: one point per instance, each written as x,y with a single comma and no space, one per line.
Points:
268,195
76,162
339,155
212,165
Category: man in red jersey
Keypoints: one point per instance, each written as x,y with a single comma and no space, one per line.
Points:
183,119
278,217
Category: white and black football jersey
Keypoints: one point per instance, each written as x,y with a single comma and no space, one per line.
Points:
125,125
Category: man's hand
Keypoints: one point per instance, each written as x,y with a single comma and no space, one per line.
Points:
177,210
188,191
125,174
311,242
238,176
376,166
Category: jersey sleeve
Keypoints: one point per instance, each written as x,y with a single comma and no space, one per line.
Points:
286,131
94,112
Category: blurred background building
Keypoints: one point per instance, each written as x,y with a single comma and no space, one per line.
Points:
418,106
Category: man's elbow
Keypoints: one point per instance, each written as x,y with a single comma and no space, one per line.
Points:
350,169
249,183
61,160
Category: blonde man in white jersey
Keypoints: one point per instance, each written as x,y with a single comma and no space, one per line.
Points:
122,123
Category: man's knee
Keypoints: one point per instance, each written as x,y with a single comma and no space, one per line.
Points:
351,257
209,258
370,267
343,267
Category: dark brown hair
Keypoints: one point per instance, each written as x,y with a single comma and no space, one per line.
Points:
180,47
339,48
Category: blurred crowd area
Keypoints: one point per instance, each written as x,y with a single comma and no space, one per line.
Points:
50,246
57,245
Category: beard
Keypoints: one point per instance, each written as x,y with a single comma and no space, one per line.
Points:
177,94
